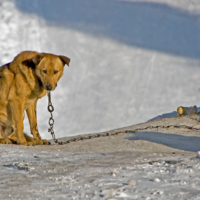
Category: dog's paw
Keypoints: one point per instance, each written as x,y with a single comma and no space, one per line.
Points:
46,142
42,142
38,142
26,143
5,141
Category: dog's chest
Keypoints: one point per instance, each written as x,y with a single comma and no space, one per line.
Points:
32,99
28,103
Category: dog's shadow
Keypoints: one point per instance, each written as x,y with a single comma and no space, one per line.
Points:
186,143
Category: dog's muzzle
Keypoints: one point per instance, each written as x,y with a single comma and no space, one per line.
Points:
49,87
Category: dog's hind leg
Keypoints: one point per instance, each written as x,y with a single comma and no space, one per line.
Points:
4,140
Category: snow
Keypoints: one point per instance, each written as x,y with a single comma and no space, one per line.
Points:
65,172
130,62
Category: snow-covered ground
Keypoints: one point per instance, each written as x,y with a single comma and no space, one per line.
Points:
125,166
60,175
130,60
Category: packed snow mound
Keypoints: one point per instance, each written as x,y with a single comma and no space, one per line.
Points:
153,160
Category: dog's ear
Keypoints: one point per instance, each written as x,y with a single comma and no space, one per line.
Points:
37,58
65,60
32,62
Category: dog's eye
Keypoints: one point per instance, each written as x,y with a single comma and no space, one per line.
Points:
44,71
55,72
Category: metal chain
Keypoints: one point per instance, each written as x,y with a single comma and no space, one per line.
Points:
51,120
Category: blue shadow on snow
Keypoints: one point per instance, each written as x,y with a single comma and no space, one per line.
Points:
182,142
152,26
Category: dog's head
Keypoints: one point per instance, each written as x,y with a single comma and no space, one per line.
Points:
48,68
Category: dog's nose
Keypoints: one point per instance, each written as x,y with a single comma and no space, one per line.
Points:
49,87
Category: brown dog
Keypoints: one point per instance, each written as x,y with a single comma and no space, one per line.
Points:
22,82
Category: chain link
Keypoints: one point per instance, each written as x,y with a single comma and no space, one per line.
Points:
50,108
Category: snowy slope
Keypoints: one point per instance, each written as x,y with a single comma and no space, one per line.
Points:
130,60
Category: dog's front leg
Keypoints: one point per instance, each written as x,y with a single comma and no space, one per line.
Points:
16,107
31,113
